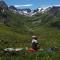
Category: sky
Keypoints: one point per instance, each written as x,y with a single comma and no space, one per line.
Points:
33,4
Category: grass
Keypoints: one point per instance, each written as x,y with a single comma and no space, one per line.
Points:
9,38
24,55
47,37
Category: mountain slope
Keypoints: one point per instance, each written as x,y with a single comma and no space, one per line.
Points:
51,17
3,4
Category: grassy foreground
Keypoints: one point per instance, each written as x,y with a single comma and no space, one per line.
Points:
47,37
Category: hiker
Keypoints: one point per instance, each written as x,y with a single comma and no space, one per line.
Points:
34,43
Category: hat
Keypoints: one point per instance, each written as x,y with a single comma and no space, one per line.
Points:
34,36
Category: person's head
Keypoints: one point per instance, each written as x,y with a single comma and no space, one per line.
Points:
34,37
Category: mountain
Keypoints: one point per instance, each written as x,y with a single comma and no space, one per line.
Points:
25,9
35,10
50,16
3,4
54,10
12,8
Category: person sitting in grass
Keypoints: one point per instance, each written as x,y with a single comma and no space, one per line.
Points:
34,43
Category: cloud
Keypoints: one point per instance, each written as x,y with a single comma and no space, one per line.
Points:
27,5
56,5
